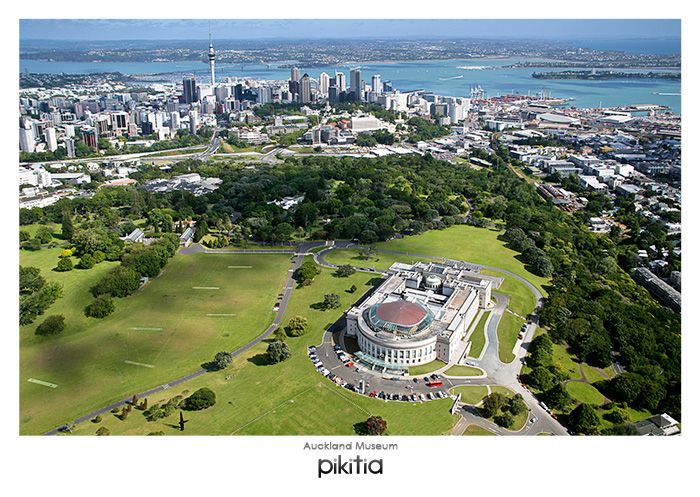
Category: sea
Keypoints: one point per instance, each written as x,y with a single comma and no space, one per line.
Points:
452,77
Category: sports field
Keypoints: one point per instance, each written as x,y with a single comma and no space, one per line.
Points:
289,398
164,331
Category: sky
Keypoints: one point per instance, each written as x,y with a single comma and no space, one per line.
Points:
251,29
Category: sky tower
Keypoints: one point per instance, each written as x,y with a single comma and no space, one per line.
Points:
212,56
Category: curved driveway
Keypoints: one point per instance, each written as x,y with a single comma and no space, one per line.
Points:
497,372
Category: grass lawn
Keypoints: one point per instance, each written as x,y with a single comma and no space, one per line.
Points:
591,373
584,393
425,368
467,243
478,336
32,228
379,260
476,430
564,360
522,301
290,398
88,360
508,329
463,371
471,394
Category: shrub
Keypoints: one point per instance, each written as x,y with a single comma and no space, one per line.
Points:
52,325
222,360
102,431
345,270
64,264
101,307
297,326
505,420
200,399
97,419
86,262
157,411
278,352
120,282
156,433
375,425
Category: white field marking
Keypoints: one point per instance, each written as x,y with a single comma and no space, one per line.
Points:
206,288
220,315
133,363
40,382
145,329
240,267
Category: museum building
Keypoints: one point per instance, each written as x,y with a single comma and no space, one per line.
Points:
419,313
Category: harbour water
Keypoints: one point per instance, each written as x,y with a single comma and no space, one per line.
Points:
444,77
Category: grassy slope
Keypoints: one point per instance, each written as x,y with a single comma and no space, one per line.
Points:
478,336
471,394
585,393
426,368
88,363
463,371
291,398
508,330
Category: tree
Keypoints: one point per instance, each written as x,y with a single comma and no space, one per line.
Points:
278,352
584,419
505,420
87,261
367,252
34,304
30,279
491,404
353,288
279,334
516,405
101,307
24,236
43,235
52,325
375,425
557,397
102,431
540,351
625,387
331,301
200,399
297,326
345,270
541,378
307,272
222,360
64,264
119,282
67,228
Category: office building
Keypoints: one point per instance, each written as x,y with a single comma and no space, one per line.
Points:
305,89
323,83
189,90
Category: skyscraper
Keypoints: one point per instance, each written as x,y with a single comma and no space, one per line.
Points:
70,147
377,83
323,83
50,137
189,89
296,74
305,89
212,56
357,86
340,81
26,136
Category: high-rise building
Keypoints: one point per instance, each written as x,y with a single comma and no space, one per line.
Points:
89,136
333,94
296,74
377,84
264,95
387,87
221,93
175,120
340,81
50,137
189,89
26,136
355,79
70,147
194,121
305,89
238,92
323,83
211,56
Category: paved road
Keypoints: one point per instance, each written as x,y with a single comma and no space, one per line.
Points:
286,294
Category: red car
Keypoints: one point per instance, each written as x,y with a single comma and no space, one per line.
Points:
349,364
373,394
435,384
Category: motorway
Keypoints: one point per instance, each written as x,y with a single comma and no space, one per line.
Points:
496,371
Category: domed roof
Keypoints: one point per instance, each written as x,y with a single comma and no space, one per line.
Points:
401,312
398,317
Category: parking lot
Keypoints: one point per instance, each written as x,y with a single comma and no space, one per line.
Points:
340,367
